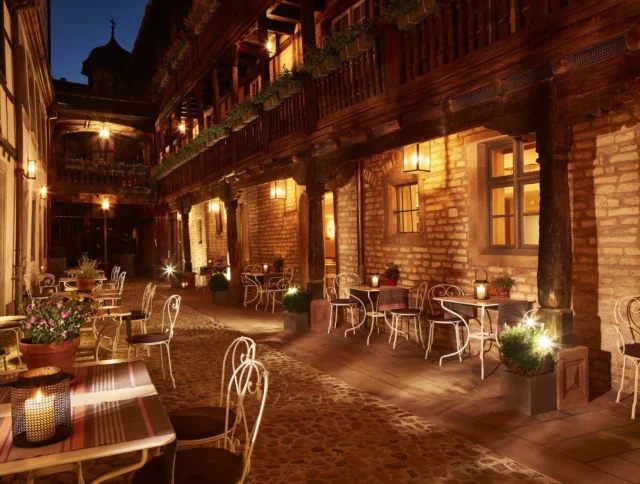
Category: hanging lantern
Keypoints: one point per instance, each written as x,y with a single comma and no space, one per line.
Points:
279,190
31,170
182,127
214,206
105,204
417,159
104,132
43,193
271,45
481,287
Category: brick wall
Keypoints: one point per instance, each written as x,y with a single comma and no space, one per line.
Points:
216,242
346,223
198,245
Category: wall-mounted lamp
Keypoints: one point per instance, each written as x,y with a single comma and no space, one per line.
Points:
182,127
214,206
271,45
331,229
417,159
279,190
43,193
179,217
105,204
30,174
104,132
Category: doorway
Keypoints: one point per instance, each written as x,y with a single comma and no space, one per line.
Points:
329,238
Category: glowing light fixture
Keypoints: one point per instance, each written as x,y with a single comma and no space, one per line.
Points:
104,132
481,287
43,193
168,270
331,229
544,342
31,170
182,127
292,290
105,204
271,45
179,217
214,206
417,159
279,190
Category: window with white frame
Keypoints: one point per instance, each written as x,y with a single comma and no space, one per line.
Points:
354,14
513,192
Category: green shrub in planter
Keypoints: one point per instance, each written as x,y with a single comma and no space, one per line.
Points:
526,351
219,285
297,301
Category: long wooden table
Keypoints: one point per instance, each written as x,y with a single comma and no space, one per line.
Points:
115,409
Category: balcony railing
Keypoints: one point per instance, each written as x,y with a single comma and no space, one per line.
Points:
114,175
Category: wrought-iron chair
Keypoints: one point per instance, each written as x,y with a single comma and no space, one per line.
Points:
412,314
33,297
227,464
144,314
437,315
626,315
335,303
250,283
201,425
278,285
112,283
163,338
203,275
45,282
343,281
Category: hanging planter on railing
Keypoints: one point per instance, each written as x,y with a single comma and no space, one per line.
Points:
357,47
272,103
289,89
326,67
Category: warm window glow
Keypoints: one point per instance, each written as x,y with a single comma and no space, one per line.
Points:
407,202
417,158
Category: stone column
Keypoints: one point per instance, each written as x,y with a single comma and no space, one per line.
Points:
555,253
235,285
315,193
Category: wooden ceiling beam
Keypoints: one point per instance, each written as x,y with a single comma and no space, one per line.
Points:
286,28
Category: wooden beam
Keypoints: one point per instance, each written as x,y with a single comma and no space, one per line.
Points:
285,12
216,97
234,74
286,28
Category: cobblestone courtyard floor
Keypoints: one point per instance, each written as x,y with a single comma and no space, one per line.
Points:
316,428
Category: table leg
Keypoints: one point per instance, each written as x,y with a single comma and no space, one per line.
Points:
124,470
482,311
466,343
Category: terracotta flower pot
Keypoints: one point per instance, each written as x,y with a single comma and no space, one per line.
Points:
392,282
501,292
85,285
60,355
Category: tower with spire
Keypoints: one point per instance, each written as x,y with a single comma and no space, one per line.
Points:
105,67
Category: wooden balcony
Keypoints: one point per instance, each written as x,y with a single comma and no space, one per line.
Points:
467,53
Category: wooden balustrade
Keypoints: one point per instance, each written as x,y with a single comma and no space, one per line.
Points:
287,118
250,139
353,82
117,177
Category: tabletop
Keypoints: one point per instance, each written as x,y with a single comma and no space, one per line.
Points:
73,279
115,409
470,301
10,322
366,288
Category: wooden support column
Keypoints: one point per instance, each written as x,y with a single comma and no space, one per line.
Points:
200,106
362,270
555,254
233,247
189,121
265,77
186,241
177,118
315,193
216,97
234,75
308,27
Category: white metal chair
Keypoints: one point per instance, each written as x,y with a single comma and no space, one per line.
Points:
144,314
163,338
201,425
437,315
37,296
335,303
343,281
232,462
112,283
626,315
250,283
278,285
45,281
411,314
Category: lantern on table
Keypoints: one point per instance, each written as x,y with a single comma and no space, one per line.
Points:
375,281
481,286
265,268
40,407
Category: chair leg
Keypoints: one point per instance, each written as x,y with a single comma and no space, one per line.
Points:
162,363
18,347
396,321
330,318
129,352
624,366
420,331
170,370
273,304
429,339
635,392
373,323
458,341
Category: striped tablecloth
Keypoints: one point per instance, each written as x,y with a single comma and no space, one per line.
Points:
97,425
388,297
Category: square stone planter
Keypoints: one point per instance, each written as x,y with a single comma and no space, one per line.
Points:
413,18
326,67
357,47
272,103
290,89
296,322
529,395
220,297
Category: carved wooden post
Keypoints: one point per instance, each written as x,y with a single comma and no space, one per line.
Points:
315,193
308,26
216,97
185,209
189,121
234,74
200,103
265,76
555,257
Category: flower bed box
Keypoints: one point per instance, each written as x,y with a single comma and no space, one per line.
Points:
272,103
237,125
225,133
250,115
357,47
413,18
529,395
290,89
326,67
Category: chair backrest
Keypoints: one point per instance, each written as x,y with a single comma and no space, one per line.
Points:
279,283
238,351
253,268
120,285
342,282
442,290
219,266
287,274
362,309
331,294
421,295
250,281
147,299
626,314
114,273
250,379
37,274
170,310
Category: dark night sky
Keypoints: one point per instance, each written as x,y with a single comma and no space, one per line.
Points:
77,26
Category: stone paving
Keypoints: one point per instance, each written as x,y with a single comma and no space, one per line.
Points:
316,428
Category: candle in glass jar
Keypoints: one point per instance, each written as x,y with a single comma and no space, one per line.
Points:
375,281
40,418
482,292
265,268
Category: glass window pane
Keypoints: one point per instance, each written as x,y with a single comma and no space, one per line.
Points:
415,201
530,159
532,198
503,231
407,223
415,222
502,199
502,162
531,229
358,13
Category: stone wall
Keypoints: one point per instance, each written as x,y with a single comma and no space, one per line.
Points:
346,222
216,241
197,236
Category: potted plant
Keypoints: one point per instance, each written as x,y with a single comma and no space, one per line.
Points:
392,273
326,66
219,286
290,88
51,331
86,273
272,102
296,310
502,285
278,263
356,39
56,261
528,382
409,13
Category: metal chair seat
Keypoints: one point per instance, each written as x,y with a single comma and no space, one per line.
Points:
148,338
405,311
196,423
632,350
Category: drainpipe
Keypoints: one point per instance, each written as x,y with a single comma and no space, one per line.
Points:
362,270
18,75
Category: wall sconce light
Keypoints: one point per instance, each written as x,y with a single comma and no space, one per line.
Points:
43,193
417,159
279,190
179,217
271,45
104,132
31,170
182,127
481,287
331,229
214,206
105,204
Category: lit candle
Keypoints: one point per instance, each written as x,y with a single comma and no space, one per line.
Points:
482,292
375,281
39,416
265,268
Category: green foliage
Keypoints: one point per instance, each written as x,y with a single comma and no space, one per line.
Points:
392,271
278,263
503,282
315,55
87,268
397,8
522,353
56,319
297,301
56,253
219,282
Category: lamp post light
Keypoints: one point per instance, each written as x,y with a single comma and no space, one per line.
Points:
105,209
416,160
